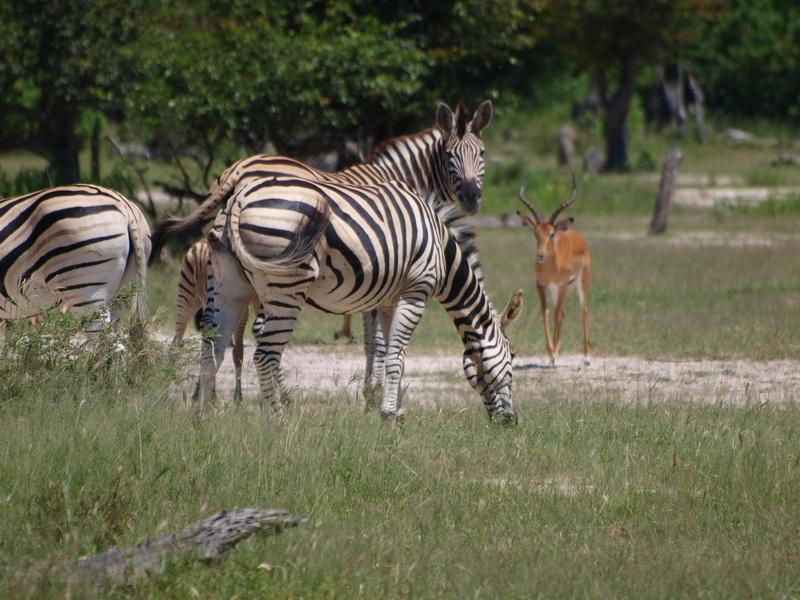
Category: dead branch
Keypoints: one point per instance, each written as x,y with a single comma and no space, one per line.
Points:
205,540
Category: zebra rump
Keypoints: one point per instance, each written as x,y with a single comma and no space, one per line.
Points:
72,246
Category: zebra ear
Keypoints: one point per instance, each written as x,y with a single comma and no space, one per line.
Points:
482,117
444,118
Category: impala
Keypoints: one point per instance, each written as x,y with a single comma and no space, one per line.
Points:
562,260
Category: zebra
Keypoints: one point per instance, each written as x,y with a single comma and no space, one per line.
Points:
354,248
192,286
72,246
445,160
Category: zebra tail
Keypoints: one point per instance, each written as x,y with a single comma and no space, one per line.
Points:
167,228
299,250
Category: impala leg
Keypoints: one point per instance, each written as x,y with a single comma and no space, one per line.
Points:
546,320
584,284
345,331
559,319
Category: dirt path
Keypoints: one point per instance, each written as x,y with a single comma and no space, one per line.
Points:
436,379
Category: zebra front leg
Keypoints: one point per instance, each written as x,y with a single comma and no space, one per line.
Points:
375,354
407,315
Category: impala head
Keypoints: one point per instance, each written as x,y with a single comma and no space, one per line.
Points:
487,364
546,230
463,148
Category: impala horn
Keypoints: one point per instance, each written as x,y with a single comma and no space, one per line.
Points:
567,203
526,203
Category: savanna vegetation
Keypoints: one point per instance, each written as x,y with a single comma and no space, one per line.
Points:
589,497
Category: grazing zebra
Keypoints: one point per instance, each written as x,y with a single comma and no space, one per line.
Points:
192,286
73,246
445,161
346,249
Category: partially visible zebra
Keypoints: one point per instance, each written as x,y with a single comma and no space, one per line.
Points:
445,161
73,246
192,286
346,249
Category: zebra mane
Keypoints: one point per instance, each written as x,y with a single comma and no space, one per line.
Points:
382,148
459,229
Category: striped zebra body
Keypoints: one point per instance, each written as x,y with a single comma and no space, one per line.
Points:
346,249
192,285
73,246
445,161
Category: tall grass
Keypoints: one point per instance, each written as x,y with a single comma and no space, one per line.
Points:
586,498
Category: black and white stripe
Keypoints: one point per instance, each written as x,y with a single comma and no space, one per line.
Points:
346,249
73,246
192,285
444,162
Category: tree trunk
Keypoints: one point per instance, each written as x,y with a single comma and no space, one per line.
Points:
65,145
615,124
96,151
666,188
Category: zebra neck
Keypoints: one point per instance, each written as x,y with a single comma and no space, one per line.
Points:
463,296
417,160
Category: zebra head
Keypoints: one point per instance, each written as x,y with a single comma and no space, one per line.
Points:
462,152
488,361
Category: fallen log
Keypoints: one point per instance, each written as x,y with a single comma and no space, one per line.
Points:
205,540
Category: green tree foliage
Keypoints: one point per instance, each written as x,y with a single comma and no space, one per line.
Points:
63,62
749,60
259,73
615,39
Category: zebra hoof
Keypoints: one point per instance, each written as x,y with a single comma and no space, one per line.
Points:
508,419
393,419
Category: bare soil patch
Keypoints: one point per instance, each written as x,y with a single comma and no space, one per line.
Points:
435,379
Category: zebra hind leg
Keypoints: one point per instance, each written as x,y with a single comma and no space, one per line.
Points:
373,372
273,337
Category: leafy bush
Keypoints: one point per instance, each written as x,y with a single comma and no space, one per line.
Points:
52,358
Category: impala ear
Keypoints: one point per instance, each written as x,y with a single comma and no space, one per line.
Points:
526,220
512,309
564,224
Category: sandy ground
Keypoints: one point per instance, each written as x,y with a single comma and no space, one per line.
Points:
436,379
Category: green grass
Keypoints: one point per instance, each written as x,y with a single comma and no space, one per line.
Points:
654,296
586,498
